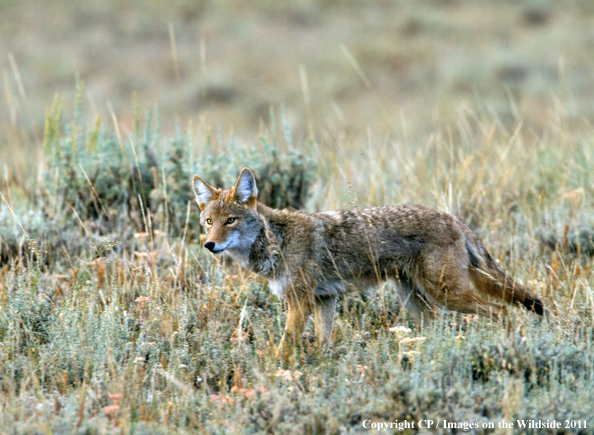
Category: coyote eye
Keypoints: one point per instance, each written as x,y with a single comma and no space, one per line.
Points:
209,221
230,220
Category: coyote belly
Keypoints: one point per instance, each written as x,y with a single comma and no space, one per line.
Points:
434,259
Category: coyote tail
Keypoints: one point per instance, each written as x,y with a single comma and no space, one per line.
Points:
490,280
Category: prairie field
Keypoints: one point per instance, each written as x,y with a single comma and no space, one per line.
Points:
115,319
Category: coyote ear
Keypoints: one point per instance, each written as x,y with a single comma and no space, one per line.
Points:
245,190
204,192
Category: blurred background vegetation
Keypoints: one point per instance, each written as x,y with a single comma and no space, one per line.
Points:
394,67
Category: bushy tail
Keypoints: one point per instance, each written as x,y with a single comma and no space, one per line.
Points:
490,280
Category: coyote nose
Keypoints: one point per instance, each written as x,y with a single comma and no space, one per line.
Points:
209,245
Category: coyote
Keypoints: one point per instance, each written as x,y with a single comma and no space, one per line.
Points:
311,259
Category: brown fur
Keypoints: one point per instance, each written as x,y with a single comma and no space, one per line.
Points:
310,259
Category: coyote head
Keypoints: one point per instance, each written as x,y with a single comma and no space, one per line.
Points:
229,217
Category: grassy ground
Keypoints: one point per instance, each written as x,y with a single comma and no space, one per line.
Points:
114,319
106,291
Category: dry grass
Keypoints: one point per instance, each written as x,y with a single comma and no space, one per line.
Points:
188,339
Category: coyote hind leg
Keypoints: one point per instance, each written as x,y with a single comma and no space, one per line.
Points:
447,283
458,295
412,297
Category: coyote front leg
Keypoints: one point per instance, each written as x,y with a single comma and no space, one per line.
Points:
299,309
324,319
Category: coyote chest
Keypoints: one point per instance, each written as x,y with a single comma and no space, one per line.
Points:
277,286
